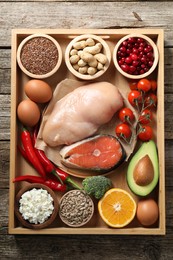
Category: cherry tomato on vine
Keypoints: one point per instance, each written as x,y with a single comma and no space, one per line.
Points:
145,133
151,100
144,85
135,98
123,130
133,85
126,115
145,117
153,85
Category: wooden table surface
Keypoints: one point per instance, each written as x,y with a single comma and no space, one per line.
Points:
83,14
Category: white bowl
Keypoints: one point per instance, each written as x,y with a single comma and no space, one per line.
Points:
105,50
49,72
155,53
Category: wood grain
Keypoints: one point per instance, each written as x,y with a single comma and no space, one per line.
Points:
90,15
83,14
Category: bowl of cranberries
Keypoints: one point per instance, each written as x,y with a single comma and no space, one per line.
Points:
135,56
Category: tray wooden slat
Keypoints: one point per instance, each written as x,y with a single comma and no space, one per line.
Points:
68,34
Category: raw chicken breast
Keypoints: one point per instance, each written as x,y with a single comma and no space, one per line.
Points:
80,113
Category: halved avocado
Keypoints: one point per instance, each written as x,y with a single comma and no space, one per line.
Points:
147,151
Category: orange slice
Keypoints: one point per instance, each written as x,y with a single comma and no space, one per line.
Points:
117,208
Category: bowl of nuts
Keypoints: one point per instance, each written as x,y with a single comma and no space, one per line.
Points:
87,56
36,206
135,56
76,208
39,56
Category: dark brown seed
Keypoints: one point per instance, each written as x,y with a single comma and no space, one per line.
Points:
39,56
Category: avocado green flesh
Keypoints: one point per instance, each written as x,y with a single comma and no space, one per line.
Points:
149,149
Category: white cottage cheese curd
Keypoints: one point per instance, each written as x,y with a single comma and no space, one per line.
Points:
36,205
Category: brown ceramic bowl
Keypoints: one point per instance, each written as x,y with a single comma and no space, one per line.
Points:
71,204
105,50
43,45
27,223
155,54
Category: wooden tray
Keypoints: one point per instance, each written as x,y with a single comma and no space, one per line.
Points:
19,166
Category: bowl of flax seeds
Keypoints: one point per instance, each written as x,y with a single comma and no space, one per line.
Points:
39,56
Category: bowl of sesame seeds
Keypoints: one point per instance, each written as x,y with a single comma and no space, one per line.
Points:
39,56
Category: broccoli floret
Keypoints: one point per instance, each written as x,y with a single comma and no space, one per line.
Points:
96,186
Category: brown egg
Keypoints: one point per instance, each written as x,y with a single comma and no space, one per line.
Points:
38,91
28,113
147,212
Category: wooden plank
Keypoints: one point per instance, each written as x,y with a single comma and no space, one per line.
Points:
69,1
143,247
4,166
89,15
85,247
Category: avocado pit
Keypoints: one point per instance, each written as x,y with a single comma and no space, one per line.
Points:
144,171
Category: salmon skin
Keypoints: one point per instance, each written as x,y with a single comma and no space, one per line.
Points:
101,153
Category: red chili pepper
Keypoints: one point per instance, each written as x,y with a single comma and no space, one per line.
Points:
23,153
65,177
29,178
30,152
46,163
54,185
50,168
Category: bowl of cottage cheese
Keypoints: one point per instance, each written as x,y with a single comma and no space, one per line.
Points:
36,206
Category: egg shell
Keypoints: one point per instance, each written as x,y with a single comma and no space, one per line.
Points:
147,212
28,112
38,91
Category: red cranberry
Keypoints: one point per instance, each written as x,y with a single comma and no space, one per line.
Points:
124,43
146,69
125,67
142,44
128,51
135,63
140,49
142,72
120,62
146,50
123,49
134,56
128,60
140,40
150,63
149,47
136,45
144,60
132,68
131,40
149,55
141,53
130,45
135,50
143,66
